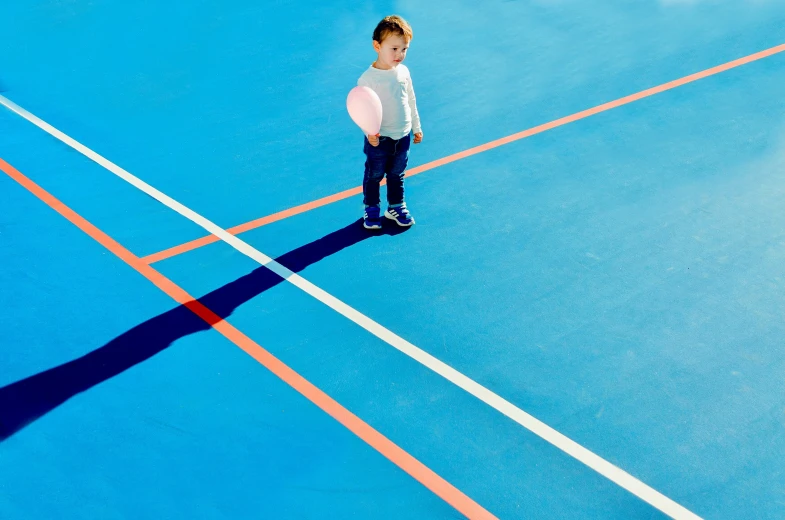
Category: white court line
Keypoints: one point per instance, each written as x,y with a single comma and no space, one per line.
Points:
567,445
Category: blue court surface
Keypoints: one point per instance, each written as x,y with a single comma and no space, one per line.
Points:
618,276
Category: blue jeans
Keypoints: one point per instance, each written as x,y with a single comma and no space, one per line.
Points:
390,158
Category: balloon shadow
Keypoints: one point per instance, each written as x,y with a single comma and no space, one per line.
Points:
29,399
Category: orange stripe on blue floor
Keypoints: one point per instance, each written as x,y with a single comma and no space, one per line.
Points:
364,431
302,208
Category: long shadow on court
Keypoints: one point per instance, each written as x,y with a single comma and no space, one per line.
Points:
24,401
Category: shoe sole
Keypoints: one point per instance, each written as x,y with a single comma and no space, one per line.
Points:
366,226
387,215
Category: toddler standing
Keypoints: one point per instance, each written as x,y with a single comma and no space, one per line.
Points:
387,153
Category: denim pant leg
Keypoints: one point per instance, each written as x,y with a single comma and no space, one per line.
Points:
396,169
375,166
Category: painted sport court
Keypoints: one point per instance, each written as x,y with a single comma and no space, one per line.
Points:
587,320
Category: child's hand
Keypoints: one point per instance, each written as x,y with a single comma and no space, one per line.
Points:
418,138
373,139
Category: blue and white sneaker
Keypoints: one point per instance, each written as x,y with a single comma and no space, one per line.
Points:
372,219
400,215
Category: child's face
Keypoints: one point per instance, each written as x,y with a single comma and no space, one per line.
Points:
392,51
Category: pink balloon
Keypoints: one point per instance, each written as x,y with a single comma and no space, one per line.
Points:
365,109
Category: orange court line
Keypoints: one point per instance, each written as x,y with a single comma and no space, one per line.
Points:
209,239
364,431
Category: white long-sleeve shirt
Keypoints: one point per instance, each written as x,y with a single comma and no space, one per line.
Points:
399,106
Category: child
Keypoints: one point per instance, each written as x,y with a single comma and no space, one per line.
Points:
388,152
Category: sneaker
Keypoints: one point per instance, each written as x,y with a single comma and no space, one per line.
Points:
400,215
371,219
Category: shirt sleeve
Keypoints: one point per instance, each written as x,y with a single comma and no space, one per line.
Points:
416,128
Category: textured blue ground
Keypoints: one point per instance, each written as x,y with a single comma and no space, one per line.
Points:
621,278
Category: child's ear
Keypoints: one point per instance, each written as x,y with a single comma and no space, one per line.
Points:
377,46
